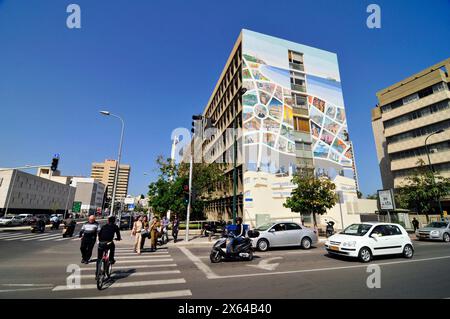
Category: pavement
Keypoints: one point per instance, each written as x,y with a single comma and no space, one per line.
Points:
44,265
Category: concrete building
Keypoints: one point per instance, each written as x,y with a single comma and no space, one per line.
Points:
105,172
406,114
90,193
22,192
290,118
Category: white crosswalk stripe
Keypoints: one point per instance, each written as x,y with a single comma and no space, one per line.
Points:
51,237
152,274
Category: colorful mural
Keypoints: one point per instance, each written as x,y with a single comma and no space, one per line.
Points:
268,106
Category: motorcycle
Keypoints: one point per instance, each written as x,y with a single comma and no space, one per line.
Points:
55,225
241,251
68,230
39,226
330,229
163,238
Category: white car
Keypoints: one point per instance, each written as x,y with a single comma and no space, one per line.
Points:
366,240
283,234
10,221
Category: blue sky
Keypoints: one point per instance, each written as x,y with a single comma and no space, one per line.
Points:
156,63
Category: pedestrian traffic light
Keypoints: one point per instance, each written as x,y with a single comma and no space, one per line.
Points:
54,165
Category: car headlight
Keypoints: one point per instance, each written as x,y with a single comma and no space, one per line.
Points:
434,233
349,244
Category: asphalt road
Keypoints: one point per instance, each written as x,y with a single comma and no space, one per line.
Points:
35,266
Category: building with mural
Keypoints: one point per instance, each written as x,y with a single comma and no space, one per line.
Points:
291,117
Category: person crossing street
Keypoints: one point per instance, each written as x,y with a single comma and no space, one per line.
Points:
88,235
105,236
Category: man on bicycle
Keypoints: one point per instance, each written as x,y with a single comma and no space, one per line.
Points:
105,236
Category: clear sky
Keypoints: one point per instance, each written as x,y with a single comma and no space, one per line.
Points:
155,63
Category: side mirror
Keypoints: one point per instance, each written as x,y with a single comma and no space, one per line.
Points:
271,230
375,236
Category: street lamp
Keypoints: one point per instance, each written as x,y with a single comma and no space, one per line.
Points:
116,174
431,166
239,95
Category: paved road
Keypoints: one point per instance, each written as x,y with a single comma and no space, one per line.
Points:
34,266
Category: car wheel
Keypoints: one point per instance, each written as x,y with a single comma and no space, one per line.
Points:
250,255
365,255
446,237
408,251
306,243
263,245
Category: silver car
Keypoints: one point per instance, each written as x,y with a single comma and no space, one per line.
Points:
284,234
435,231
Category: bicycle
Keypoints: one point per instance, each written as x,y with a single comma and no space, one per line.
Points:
104,267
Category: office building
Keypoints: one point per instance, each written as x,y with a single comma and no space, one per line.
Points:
408,112
90,193
291,117
105,172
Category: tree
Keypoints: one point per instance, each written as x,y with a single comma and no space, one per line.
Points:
167,192
312,195
372,196
359,194
422,190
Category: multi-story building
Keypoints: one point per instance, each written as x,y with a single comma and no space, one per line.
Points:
406,114
105,172
90,193
21,192
291,117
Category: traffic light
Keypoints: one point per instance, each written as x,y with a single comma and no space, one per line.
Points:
186,194
54,165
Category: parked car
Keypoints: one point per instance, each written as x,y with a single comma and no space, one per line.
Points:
10,221
366,240
23,217
283,234
435,231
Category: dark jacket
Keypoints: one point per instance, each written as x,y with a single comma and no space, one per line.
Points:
108,231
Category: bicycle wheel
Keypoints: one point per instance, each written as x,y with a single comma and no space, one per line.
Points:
100,275
108,268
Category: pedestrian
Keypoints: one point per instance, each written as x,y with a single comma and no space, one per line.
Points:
415,223
154,233
136,231
175,226
88,235
165,229
145,230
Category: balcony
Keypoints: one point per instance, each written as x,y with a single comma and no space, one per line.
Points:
297,67
417,142
297,87
435,158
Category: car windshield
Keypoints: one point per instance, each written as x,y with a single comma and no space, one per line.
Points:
357,229
437,224
264,227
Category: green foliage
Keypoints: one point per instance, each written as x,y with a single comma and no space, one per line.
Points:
167,191
312,195
422,190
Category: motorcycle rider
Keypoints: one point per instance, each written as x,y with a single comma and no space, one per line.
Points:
55,221
106,235
70,224
239,234
88,235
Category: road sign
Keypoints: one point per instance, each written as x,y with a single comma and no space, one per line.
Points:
386,199
76,207
129,200
131,206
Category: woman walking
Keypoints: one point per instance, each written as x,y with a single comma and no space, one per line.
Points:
154,233
145,230
137,229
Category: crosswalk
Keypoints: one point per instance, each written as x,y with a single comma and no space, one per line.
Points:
150,275
38,237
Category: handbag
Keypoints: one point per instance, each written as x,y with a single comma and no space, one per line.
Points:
145,233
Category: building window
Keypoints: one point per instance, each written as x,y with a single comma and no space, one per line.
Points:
301,124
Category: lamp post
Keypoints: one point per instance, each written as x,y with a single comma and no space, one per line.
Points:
235,149
116,174
431,166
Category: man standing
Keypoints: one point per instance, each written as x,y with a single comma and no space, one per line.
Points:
415,223
175,226
88,235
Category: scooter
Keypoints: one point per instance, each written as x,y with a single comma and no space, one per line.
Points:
38,227
163,239
55,225
242,251
330,229
68,230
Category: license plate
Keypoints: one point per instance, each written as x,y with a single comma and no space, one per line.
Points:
335,248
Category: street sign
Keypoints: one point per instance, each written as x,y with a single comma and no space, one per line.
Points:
131,206
76,207
386,199
129,200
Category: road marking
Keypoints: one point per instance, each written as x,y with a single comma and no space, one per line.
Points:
126,284
151,295
266,265
64,238
134,274
26,289
50,237
27,285
143,253
199,263
15,236
142,257
132,267
328,269
21,237
37,237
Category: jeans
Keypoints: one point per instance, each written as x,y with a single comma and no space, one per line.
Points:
233,242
